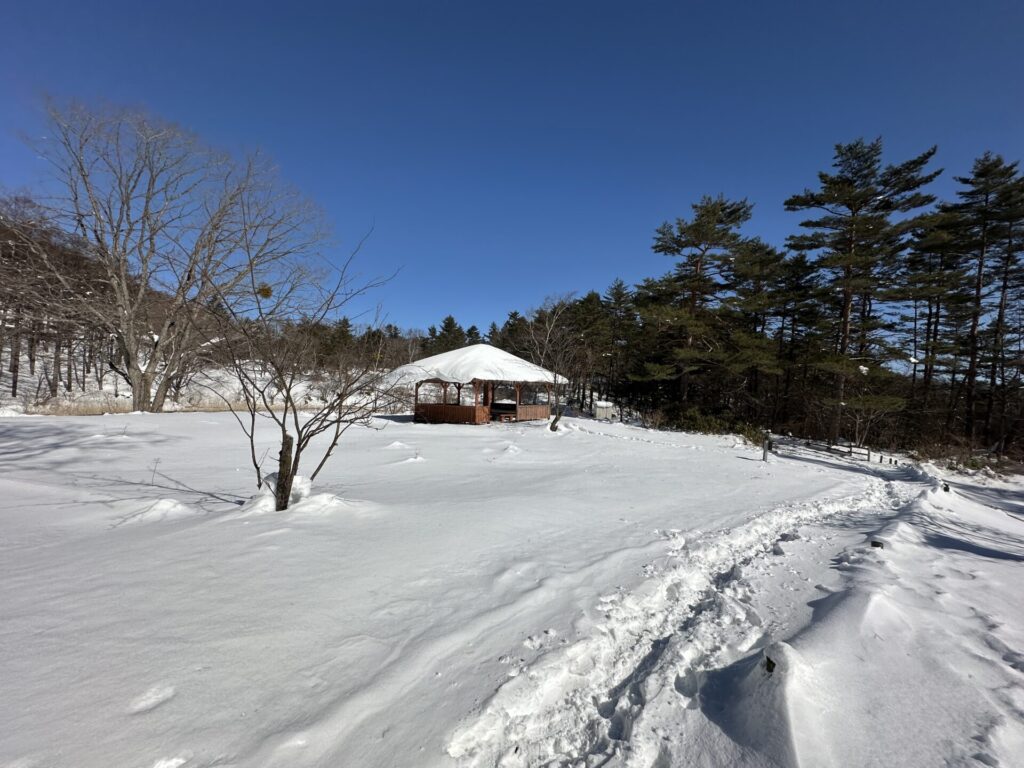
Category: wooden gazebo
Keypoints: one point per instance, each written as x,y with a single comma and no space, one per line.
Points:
490,372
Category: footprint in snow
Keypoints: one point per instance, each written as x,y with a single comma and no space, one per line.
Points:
151,699
533,642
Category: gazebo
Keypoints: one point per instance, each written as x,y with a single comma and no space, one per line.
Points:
488,370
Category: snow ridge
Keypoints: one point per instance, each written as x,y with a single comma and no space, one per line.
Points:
577,705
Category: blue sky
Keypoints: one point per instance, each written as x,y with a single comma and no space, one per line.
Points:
507,151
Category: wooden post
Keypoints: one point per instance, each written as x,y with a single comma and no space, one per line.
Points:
416,395
444,393
458,394
476,393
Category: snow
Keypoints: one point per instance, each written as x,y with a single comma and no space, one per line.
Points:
603,595
478,361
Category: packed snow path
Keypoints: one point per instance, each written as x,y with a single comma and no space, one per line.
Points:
497,595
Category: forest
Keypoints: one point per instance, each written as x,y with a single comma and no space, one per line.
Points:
889,318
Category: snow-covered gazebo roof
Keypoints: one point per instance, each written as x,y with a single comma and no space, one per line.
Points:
480,362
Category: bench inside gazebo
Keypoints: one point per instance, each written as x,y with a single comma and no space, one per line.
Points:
504,387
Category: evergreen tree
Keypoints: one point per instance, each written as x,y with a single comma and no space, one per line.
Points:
705,246
514,334
857,243
450,336
980,216
493,335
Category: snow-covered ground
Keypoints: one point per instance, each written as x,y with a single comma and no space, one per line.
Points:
499,595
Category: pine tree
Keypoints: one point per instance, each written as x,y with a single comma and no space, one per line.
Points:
450,336
979,216
751,305
931,280
514,334
705,246
857,243
1010,204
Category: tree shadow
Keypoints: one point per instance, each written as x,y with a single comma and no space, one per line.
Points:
944,541
748,710
34,443
1009,501
208,501
844,464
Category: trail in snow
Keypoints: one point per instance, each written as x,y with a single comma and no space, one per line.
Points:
789,641
582,700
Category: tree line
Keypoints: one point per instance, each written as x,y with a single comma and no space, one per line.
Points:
889,317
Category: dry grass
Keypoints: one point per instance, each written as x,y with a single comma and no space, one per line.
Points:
79,408
117,405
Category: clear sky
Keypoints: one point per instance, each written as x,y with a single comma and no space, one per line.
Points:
507,151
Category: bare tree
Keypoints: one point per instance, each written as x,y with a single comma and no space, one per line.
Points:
551,342
173,227
289,380
40,308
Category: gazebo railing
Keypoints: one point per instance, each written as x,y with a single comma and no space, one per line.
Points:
445,413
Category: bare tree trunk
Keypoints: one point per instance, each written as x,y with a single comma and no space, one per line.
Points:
3,339
33,341
142,388
15,354
69,378
559,409
55,378
285,473
160,395
85,366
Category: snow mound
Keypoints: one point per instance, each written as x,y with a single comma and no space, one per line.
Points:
397,445
761,703
301,486
319,505
159,511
